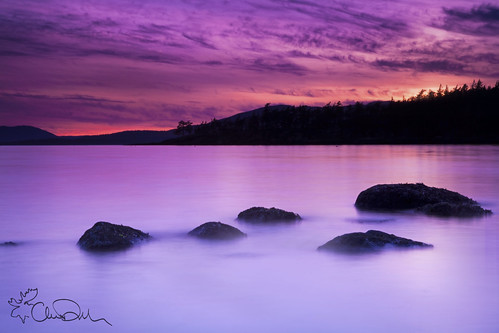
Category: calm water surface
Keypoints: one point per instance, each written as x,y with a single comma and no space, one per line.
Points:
272,281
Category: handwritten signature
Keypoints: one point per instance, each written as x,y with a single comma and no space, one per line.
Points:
64,309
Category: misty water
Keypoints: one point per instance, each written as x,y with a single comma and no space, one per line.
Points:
272,281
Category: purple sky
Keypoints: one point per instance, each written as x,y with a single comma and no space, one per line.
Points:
97,66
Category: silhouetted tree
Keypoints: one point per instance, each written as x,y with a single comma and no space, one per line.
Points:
184,127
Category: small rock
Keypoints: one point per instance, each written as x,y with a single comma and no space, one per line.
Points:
369,241
216,230
430,200
265,215
8,244
109,236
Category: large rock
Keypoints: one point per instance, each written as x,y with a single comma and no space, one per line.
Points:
267,215
429,200
108,236
369,241
216,230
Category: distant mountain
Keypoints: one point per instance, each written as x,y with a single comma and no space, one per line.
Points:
119,138
27,135
23,133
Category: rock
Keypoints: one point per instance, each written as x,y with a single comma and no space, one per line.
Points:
216,230
429,200
8,244
266,215
446,209
371,240
108,236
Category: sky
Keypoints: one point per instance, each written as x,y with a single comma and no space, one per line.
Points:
99,66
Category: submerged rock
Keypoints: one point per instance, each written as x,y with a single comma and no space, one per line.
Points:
371,240
216,230
109,236
8,244
266,215
429,200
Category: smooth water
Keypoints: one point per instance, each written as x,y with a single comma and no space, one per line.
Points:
272,281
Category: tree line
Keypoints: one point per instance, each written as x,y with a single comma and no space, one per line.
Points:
464,114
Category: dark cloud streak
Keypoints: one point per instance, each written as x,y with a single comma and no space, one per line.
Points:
421,65
200,40
480,20
277,65
85,98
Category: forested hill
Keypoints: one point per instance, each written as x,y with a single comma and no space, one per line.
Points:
465,114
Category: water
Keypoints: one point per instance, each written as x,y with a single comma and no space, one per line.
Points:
272,281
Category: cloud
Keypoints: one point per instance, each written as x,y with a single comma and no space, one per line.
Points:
293,93
345,26
336,13
213,63
275,65
313,93
155,29
107,22
482,20
200,40
309,30
487,57
484,13
42,38
443,66
300,54
84,98
471,56
361,43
